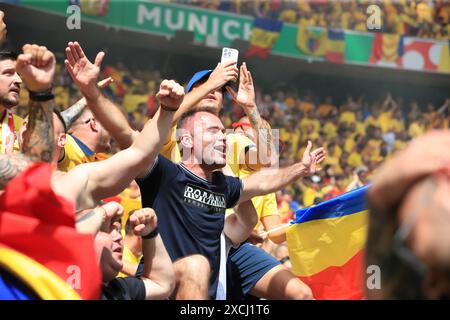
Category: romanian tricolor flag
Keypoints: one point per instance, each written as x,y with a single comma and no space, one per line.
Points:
335,46
42,256
264,35
386,48
326,245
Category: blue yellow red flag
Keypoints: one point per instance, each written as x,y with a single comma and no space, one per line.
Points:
335,46
326,245
264,35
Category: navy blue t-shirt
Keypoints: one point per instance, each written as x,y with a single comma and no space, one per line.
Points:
190,209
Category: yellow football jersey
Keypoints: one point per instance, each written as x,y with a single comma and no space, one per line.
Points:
237,143
75,153
129,257
170,149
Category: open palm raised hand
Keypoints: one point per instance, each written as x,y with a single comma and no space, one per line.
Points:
83,72
312,159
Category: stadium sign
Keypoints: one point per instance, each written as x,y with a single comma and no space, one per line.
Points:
156,17
203,23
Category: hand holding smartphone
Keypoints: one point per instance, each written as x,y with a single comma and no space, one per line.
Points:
229,54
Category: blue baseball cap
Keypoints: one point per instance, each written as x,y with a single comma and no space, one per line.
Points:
196,78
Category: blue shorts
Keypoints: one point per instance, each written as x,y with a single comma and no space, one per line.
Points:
245,266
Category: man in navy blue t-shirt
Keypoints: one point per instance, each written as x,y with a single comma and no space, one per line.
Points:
191,199
192,212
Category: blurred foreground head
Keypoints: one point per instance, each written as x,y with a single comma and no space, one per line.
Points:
409,228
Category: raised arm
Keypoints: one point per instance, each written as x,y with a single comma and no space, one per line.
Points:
221,75
85,75
93,220
10,166
2,28
389,103
444,107
158,274
98,180
245,97
270,180
71,114
36,67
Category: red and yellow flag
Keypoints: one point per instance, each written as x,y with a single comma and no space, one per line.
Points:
39,243
386,48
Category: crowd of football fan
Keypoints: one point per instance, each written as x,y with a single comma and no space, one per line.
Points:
128,161
358,134
428,19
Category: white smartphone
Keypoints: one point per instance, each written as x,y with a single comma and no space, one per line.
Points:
229,54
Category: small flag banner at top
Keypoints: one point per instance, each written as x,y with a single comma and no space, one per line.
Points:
335,46
264,35
387,48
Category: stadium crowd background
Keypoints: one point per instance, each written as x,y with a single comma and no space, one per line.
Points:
428,19
359,132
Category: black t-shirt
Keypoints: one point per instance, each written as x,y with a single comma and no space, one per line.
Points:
129,288
190,209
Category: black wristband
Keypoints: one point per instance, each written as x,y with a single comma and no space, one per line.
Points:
151,235
41,96
284,259
166,109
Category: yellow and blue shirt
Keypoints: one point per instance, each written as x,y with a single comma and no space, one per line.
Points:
75,153
170,149
129,257
237,143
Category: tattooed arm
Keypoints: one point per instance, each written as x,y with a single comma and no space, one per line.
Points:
264,153
38,137
71,114
11,166
245,97
36,67
94,220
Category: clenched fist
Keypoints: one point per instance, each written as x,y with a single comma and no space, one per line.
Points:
143,221
112,211
170,95
36,67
